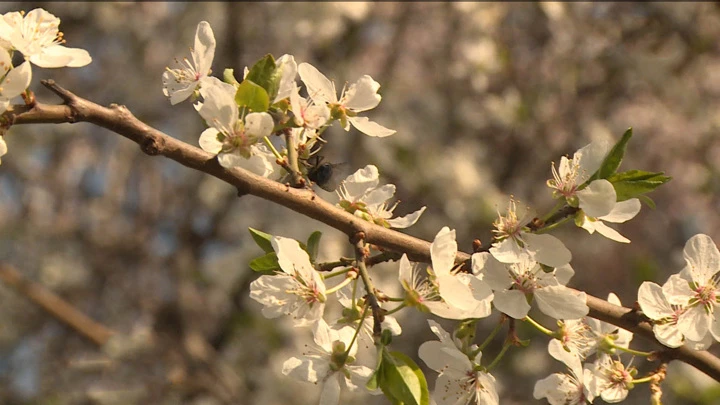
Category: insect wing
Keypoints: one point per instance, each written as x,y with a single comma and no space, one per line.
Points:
328,176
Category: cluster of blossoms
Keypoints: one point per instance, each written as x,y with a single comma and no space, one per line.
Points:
239,127
36,36
521,266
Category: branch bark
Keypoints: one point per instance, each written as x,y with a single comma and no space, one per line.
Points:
120,120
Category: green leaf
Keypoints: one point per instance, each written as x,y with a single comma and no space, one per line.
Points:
313,244
229,77
612,161
635,183
262,239
648,201
252,96
401,380
267,75
265,263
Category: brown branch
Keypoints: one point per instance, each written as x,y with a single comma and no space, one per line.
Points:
56,306
153,142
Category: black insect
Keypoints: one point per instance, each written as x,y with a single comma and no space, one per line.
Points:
326,175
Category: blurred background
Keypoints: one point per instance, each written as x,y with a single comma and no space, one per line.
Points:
484,96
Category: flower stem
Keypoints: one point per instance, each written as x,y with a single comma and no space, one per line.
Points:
553,211
396,309
357,330
552,226
647,379
339,286
292,155
500,355
360,255
490,337
631,351
336,273
539,327
272,148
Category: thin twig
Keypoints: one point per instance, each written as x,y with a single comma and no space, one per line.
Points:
56,306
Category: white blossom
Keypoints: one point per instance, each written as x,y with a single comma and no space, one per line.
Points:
621,212
611,380
443,292
665,316
234,141
298,291
360,96
460,380
37,37
288,66
359,194
595,199
306,112
14,80
606,333
513,284
182,81
562,388
696,288
513,241
328,363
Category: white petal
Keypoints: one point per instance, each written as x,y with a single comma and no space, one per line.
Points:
406,270
455,292
219,109
319,87
653,302
598,198
17,80
292,258
560,302
440,357
407,220
494,273
209,142
623,211
370,128
668,334
379,195
441,333
3,147
677,291
204,49
547,249
609,233
507,251
304,369
715,324
51,58
259,124
362,95
563,274
330,394
287,81
512,302
694,323
558,352
702,257
360,182
443,251
591,157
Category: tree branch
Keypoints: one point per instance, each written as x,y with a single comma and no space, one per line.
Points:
56,306
153,142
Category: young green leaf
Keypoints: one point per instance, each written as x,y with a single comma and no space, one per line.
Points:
229,77
401,379
262,239
313,245
634,183
266,263
612,161
267,75
252,96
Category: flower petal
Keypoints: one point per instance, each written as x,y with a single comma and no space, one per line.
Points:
362,95
512,303
319,87
370,128
653,302
560,302
407,220
547,249
259,124
623,211
598,198
443,251
702,257
204,49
